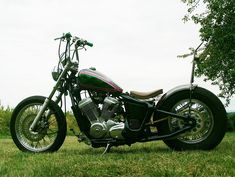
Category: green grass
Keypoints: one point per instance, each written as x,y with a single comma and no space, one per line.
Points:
147,159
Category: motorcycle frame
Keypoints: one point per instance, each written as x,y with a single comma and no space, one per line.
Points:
189,122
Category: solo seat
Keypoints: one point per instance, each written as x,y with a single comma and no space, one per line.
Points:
145,95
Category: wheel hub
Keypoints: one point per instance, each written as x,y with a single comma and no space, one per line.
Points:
200,113
36,135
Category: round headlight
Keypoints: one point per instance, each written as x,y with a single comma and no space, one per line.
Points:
56,73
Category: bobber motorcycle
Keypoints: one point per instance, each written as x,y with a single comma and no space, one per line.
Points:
187,117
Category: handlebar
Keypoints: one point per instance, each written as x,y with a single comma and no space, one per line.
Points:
81,42
66,36
78,41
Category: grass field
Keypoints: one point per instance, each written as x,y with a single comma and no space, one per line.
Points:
148,159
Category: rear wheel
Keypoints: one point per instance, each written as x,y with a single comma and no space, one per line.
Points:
208,112
50,131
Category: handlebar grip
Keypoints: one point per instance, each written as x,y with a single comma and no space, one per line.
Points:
89,44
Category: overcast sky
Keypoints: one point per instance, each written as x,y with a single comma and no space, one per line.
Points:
136,43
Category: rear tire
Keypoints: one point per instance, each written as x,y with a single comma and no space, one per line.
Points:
210,117
50,131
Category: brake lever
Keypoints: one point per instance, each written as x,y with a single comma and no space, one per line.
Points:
60,38
57,38
75,38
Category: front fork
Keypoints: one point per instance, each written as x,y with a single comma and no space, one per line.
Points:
48,99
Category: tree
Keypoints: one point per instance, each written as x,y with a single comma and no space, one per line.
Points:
217,30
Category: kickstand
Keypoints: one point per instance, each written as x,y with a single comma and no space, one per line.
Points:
108,146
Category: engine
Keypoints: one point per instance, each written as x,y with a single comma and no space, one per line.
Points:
102,122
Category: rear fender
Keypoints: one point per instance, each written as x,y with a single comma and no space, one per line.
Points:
173,91
166,98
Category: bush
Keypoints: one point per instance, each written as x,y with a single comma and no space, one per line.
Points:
231,122
71,124
5,116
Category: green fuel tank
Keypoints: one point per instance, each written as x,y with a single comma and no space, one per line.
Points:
90,79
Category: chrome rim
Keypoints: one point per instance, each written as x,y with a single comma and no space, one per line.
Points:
201,113
46,130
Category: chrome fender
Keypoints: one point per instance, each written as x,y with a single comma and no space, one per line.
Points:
195,89
173,91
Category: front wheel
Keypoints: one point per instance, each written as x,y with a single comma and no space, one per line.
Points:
50,131
208,112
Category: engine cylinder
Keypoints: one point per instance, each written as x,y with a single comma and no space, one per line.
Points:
89,109
102,125
110,107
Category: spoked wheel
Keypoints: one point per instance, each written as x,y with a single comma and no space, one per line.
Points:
49,133
209,114
200,112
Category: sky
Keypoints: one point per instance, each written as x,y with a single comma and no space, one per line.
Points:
136,43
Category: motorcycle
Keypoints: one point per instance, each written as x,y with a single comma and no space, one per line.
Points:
187,117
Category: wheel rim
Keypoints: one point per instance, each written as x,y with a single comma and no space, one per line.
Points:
201,113
46,130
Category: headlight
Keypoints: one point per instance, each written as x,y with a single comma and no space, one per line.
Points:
56,73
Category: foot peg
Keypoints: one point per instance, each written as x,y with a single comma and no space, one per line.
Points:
81,137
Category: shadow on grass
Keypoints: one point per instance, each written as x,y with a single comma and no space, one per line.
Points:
133,149
140,150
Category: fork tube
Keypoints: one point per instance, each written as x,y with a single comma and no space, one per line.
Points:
47,100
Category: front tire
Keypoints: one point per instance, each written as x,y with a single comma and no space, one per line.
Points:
208,112
50,131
